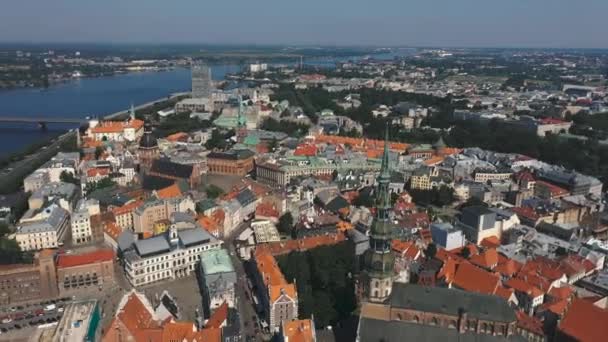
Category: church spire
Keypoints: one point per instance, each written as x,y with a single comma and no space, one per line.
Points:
241,119
385,168
132,112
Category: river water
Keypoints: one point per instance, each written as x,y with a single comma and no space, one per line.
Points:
87,97
101,96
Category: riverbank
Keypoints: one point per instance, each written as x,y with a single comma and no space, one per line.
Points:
11,179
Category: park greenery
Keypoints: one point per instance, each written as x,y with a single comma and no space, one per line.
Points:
285,225
101,184
292,129
219,139
325,283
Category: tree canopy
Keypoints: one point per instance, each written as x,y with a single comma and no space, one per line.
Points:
324,280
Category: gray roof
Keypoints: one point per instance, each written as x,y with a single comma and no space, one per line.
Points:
153,245
245,197
451,302
56,215
125,240
193,236
391,331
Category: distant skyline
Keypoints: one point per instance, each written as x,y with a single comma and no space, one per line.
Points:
449,23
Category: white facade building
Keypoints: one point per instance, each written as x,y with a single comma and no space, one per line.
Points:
46,231
171,255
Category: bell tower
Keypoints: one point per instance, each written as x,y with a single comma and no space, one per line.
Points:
379,261
241,128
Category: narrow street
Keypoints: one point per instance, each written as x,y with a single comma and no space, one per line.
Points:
245,304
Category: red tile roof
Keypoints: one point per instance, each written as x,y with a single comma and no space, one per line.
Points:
474,279
585,322
299,331
490,242
171,191
508,268
219,316
308,150
71,260
522,286
127,208
300,245
117,126
487,259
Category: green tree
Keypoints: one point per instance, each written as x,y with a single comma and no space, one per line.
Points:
68,177
213,191
98,151
285,224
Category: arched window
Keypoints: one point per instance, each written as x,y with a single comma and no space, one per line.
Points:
434,321
375,293
484,327
399,317
416,319
376,284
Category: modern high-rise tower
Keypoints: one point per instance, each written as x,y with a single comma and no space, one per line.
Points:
379,261
201,80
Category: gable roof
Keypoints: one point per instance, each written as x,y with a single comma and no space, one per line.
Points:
219,316
474,279
171,191
451,302
487,259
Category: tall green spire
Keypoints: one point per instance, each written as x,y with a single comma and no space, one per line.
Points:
241,119
383,197
385,168
132,110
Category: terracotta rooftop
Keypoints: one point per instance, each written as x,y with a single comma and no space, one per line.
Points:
585,322
490,242
94,172
522,286
171,191
219,316
127,208
71,260
112,229
488,259
301,330
508,268
116,126
474,279
308,150
283,247
266,210
179,136
272,276
553,189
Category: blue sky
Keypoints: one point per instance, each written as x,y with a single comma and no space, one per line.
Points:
484,23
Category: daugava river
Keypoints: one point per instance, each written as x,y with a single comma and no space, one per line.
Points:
87,97
101,96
